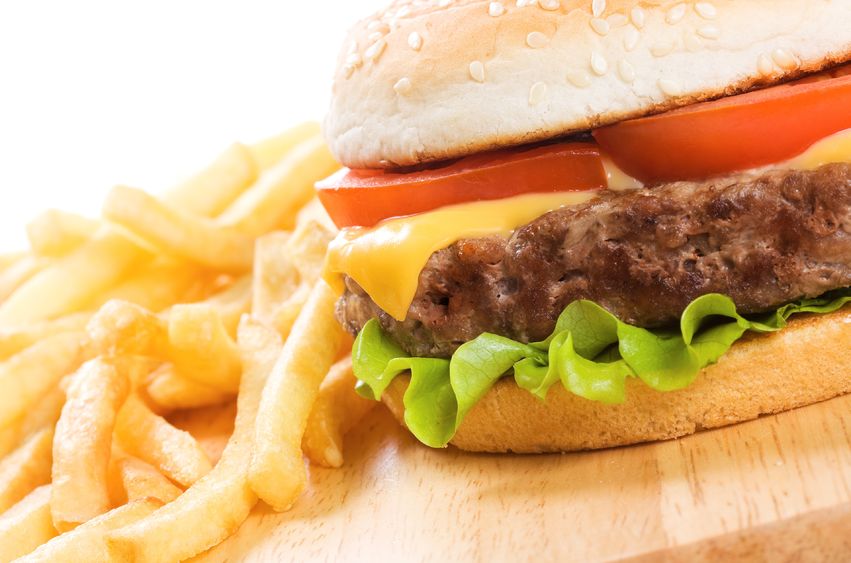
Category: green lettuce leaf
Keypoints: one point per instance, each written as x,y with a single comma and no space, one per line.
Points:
590,352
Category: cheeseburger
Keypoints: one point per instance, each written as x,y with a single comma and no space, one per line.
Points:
580,224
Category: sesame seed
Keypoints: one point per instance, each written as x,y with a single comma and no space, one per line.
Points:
550,5
637,16
537,40
354,60
631,39
709,31
496,9
374,51
579,78
662,49
524,3
537,93
353,48
477,71
600,26
403,87
374,36
670,87
599,64
348,70
706,10
377,25
784,59
617,20
444,3
415,41
676,14
598,7
765,65
626,71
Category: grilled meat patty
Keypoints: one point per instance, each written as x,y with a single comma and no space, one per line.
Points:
644,255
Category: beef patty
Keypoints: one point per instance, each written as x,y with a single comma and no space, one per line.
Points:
764,240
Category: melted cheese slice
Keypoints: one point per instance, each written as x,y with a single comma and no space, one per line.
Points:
386,260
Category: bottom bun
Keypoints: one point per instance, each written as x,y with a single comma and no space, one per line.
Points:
807,362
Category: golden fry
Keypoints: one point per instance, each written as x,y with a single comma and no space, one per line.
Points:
55,233
215,506
232,302
201,349
170,391
141,480
19,273
272,203
178,233
314,211
16,339
26,468
26,525
28,376
211,426
152,439
121,328
277,471
336,411
87,542
82,444
270,151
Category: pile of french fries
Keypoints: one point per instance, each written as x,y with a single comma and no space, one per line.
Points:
204,304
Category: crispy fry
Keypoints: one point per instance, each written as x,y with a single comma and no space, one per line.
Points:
178,233
43,415
55,233
121,328
141,480
82,445
336,411
232,302
9,258
170,391
213,189
26,525
19,273
28,376
211,426
201,349
314,211
215,506
269,151
151,438
16,339
87,542
273,202
26,468
277,471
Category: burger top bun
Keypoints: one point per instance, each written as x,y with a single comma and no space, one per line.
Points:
428,80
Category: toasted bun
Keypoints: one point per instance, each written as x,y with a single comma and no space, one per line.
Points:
762,374
432,80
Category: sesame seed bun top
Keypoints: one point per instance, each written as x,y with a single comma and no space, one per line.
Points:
427,80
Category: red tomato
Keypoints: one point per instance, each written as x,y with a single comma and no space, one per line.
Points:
733,133
365,197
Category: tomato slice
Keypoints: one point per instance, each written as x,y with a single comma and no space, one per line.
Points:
731,134
365,197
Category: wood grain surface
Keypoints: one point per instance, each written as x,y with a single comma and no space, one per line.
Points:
776,488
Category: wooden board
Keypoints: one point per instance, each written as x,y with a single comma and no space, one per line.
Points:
779,479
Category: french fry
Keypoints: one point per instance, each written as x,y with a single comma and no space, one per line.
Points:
215,506
201,349
29,375
213,189
141,480
314,211
43,415
178,233
55,233
19,273
121,328
26,468
336,411
170,391
9,258
81,447
270,151
101,262
211,426
232,302
26,525
152,439
15,339
277,472
272,203
87,542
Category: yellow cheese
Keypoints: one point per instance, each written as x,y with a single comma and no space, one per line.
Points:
386,260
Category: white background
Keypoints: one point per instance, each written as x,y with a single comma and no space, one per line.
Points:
96,93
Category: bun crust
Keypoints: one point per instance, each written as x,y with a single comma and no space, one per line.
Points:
807,362
431,80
